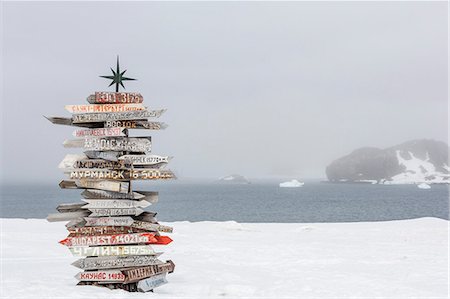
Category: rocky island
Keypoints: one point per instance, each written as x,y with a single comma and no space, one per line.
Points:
412,162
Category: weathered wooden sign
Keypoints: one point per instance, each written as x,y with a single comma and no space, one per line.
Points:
102,230
70,207
132,144
151,226
101,164
115,212
102,275
111,116
68,122
121,239
98,108
149,196
152,282
115,186
145,159
113,262
110,174
109,221
136,274
106,97
114,203
112,250
66,216
136,124
100,132
105,155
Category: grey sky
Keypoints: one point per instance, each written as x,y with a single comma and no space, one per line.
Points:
255,88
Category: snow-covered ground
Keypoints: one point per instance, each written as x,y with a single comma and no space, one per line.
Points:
394,259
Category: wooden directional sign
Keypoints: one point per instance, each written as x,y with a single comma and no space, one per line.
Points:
145,159
105,97
114,262
70,207
115,212
102,230
162,240
66,216
100,132
111,174
136,274
121,239
111,116
70,159
99,163
151,226
114,203
150,283
109,221
149,196
112,250
104,108
102,275
105,155
132,144
135,124
115,186
68,122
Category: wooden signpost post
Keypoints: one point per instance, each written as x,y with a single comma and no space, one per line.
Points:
109,227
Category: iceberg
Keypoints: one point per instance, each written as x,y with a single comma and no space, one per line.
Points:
424,186
291,184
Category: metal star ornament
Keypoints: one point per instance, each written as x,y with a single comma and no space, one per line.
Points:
118,77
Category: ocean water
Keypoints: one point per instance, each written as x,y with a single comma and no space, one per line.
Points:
261,201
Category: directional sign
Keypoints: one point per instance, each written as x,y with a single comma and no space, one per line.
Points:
70,207
135,124
121,239
102,230
66,216
115,212
99,163
70,159
132,144
100,132
149,196
110,221
107,155
151,226
105,97
112,250
103,275
111,116
150,283
113,262
121,174
136,274
104,108
114,203
115,186
145,159
162,240
68,122
77,222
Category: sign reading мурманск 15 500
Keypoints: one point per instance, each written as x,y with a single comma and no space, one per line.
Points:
131,174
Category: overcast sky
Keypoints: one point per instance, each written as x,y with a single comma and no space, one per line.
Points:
255,88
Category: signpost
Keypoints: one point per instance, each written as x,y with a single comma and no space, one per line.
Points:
109,227
112,262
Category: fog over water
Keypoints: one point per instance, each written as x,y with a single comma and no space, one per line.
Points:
256,88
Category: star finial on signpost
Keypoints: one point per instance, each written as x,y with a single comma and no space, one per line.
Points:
118,77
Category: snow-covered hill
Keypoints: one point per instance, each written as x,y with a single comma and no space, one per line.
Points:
413,162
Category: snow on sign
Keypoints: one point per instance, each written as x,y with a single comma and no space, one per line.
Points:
109,228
